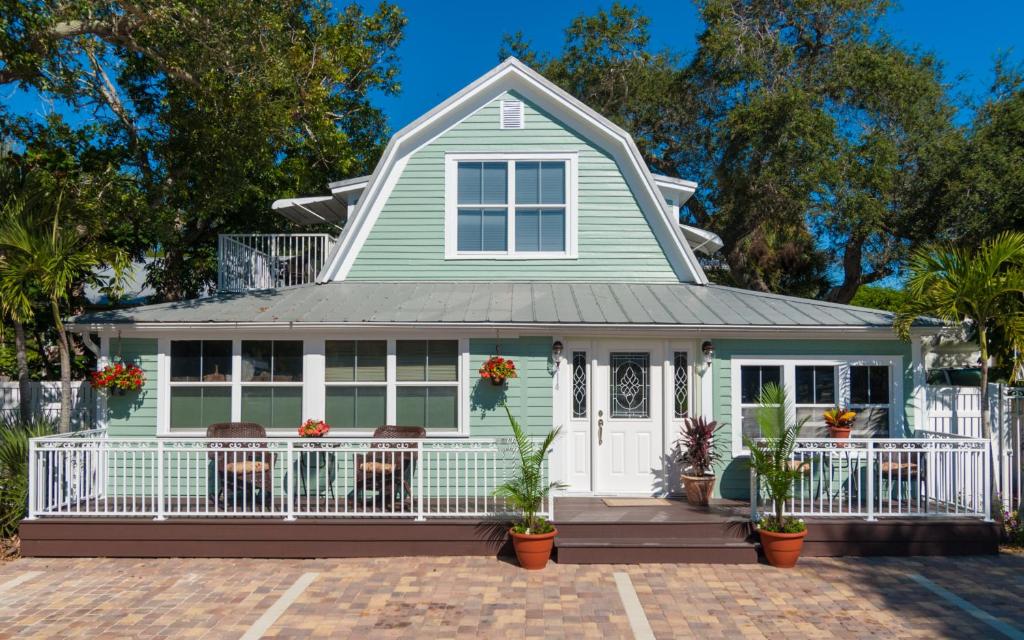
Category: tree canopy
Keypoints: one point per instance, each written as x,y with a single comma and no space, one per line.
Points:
197,114
807,126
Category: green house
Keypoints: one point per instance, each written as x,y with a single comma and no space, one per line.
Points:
510,220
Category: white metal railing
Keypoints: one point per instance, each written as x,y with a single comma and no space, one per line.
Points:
247,261
91,475
931,476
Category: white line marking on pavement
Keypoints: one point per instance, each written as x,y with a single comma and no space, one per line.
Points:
1006,629
634,610
271,615
10,584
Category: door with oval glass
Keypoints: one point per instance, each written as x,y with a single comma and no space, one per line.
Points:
629,440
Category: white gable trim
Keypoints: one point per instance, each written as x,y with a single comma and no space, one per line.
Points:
512,75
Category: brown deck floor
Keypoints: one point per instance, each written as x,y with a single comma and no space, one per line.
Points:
594,510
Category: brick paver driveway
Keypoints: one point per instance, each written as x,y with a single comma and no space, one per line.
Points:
483,598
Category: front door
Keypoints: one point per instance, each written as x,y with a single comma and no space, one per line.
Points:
627,399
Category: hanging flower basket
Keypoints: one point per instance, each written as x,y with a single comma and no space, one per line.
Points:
118,378
314,428
497,370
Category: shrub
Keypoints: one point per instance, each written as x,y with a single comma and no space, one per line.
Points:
697,444
14,439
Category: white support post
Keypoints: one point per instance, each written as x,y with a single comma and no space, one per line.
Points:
33,481
871,482
420,470
987,503
288,485
754,517
160,480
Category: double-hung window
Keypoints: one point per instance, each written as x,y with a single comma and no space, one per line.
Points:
515,207
200,383
272,383
427,384
871,386
356,377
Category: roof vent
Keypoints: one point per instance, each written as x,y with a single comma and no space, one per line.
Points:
512,114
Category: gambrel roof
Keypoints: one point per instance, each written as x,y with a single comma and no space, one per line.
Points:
514,76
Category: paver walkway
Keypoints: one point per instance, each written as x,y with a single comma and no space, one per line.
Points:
485,598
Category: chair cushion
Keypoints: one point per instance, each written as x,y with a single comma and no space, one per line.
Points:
246,466
902,468
377,467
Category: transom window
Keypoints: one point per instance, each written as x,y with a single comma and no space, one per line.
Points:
510,207
869,386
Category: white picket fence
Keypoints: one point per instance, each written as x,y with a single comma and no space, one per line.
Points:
45,402
957,411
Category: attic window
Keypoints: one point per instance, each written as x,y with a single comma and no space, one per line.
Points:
512,114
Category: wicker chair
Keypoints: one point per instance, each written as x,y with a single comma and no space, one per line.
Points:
388,472
244,477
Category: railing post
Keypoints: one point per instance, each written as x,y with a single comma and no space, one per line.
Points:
987,500
871,481
420,470
160,480
290,475
33,481
754,517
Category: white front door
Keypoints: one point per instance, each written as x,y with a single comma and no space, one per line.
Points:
627,402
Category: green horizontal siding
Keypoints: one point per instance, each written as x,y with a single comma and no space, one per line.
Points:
735,479
615,241
134,414
528,396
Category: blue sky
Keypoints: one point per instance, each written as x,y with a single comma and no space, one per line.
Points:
449,43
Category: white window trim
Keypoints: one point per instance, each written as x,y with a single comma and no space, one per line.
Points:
788,364
313,383
451,208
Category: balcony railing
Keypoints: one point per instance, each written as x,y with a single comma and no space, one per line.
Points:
270,260
91,475
933,476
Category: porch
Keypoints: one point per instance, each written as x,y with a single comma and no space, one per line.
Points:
94,495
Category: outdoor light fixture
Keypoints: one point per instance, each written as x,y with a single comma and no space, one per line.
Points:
709,351
556,351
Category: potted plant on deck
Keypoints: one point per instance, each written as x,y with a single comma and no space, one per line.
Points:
697,450
782,536
533,536
839,421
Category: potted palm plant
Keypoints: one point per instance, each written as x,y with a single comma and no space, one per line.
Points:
533,536
697,450
782,536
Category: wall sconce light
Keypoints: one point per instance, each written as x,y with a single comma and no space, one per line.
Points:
708,348
556,351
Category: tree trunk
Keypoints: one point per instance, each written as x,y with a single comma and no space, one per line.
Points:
986,424
24,385
64,347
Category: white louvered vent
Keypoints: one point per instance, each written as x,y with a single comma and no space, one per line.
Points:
511,114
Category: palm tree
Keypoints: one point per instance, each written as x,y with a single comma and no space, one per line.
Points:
47,259
981,286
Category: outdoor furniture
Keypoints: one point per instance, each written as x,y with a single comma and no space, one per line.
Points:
315,472
239,477
902,476
388,472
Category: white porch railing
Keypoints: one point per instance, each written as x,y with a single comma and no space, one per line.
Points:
932,476
247,261
90,475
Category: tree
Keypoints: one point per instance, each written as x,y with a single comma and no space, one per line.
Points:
982,287
45,257
206,110
805,125
879,297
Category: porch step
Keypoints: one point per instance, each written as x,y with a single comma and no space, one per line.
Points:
732,529
640,550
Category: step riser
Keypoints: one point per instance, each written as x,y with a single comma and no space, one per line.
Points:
635,555
655,530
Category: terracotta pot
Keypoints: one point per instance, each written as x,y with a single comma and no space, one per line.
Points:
533,550
839,432
782,549
699,488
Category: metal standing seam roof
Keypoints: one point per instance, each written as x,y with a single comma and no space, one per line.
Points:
525,303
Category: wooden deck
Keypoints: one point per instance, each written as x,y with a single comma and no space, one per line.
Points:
590,531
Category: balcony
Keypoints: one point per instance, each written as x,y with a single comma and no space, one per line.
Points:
252,261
